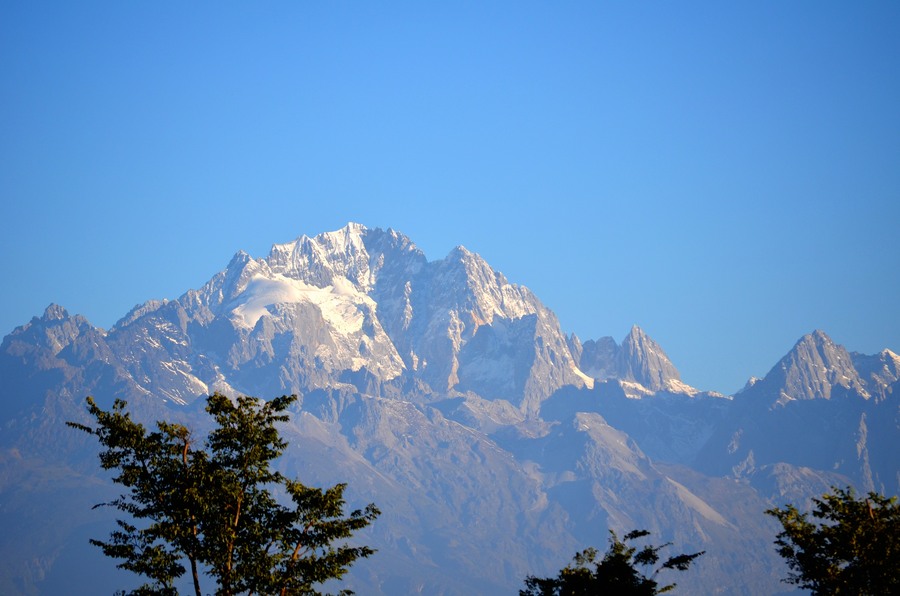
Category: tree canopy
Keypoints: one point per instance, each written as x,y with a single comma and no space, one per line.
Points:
219,506
616,573
851,546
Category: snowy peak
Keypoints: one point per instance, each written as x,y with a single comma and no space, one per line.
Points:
305,272
354,253
318,261
365,306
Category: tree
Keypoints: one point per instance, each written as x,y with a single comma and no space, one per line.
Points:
616,573
219,505
854,549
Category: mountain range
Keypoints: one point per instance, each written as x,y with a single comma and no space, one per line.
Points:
495,444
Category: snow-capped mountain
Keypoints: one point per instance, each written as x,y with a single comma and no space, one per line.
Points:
356,306
495,444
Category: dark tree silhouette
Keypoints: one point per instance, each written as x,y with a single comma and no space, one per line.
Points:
852,546
213,504
616,573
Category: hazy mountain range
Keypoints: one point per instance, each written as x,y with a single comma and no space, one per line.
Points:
495,444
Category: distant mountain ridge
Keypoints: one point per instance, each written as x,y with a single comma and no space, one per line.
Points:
496,444
639,359
369,305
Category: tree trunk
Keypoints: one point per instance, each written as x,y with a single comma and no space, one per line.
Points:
196,576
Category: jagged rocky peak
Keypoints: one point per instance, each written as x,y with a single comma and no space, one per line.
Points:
392,254
319,260
643,360
639,359
480,291
56,316
355,253
471,327
55,330
750,383
813,369
139,311
232,285
231,282
598,358
878,371
55,312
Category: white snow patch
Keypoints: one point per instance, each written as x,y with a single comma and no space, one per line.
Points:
338,303
634,390
588,381
676,386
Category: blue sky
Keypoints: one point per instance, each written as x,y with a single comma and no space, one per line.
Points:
725,175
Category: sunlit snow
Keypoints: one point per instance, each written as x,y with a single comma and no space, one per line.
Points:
588,381
676,386
337,303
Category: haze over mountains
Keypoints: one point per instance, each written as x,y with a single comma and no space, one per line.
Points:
496,444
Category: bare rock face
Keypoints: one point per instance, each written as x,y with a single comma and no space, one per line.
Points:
598,358
817,368
460,324
814,369
643,360
639,359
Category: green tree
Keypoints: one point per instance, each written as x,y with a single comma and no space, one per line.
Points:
214,504
616,573
851,547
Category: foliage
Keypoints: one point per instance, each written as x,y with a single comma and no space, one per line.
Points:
854,549
616,573
214,504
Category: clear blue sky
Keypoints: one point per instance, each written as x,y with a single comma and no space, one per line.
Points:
725,175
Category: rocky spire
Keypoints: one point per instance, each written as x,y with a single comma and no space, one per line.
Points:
643,360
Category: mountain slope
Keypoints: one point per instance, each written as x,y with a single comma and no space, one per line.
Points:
814,410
